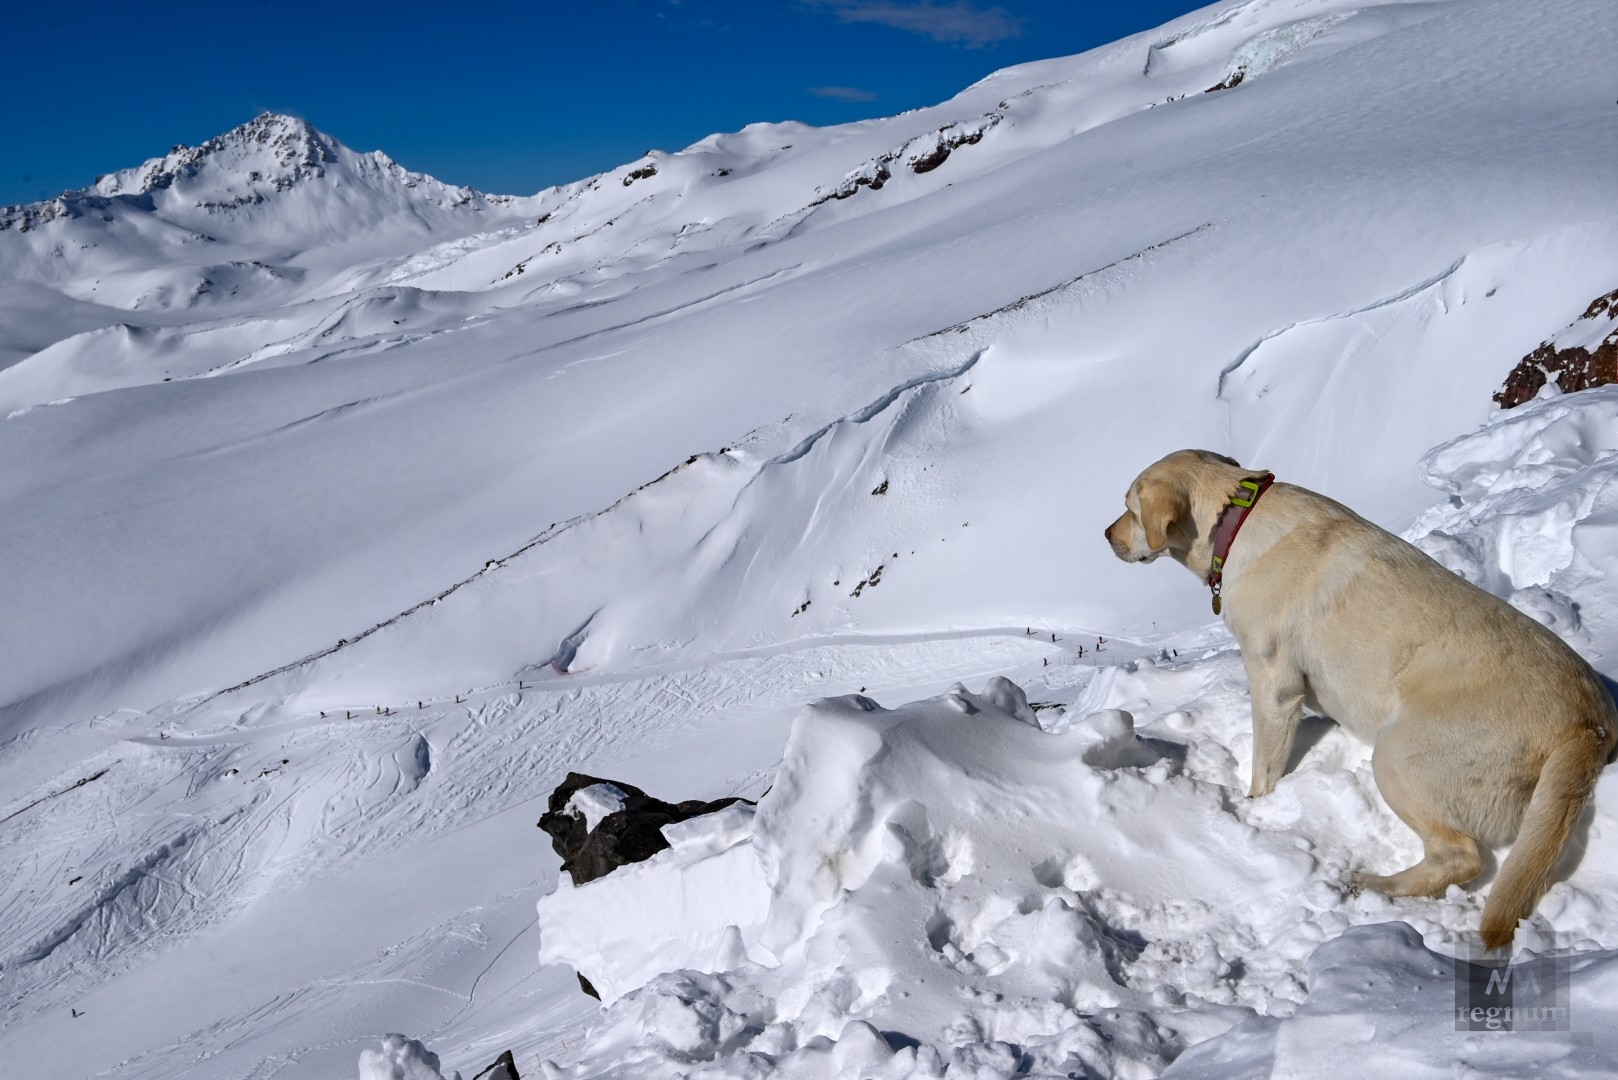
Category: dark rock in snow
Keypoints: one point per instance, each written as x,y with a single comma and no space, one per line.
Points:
643,173
1572,369
628,835
927,162
504,1068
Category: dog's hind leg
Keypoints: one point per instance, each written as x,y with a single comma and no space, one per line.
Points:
1451,856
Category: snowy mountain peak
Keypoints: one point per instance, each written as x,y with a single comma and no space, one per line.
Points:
270,156
271,148
180,228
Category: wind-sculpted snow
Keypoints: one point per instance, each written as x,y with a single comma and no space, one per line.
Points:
400,1058
1387,371
1246,40
1383,1004
1534,499
343,512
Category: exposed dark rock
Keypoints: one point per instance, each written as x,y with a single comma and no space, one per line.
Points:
874,580
876,173
875,179
645,172
1572,369
504,1068
1234,80
626,836
925,163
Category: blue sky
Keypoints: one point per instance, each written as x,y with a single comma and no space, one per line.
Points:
505,98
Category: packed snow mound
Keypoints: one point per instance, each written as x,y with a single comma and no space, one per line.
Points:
1078,885
1381,1000
703,898
401,1058
977,892
1533,511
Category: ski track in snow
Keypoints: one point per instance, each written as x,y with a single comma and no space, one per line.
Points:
260,827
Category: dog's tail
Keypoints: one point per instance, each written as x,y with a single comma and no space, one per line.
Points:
1564,783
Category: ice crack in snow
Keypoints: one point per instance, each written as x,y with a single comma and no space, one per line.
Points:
1387,301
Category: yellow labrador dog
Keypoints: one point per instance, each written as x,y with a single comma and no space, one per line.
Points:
1486,726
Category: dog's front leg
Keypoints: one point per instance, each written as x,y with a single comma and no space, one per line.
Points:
1278,693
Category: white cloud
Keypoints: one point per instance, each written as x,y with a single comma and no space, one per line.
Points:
842,93
959,22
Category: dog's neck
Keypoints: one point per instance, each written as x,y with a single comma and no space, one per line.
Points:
1212,517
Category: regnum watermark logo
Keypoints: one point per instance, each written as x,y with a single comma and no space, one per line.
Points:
1526,992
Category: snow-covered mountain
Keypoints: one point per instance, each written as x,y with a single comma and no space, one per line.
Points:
343,511
245,218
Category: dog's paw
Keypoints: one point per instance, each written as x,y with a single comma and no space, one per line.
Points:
1358,881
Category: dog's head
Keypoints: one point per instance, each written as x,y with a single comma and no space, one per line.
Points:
1165,505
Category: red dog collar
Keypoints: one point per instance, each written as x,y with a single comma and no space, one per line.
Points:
1229,525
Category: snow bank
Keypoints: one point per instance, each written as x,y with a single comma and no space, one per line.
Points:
1532,508
698,905
950,885
401,1058
978,884
1379,999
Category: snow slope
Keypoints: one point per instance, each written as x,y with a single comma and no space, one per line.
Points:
316,587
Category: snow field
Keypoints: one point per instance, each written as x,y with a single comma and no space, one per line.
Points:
651,464
235,834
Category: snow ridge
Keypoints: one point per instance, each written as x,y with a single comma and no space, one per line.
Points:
269,155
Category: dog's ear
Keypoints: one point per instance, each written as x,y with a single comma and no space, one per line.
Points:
1163,506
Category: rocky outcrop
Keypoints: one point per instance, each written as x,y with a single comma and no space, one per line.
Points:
1571,366
923,154
598,825
645,172
927,160
504,1068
